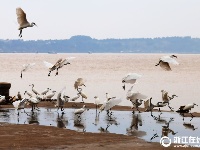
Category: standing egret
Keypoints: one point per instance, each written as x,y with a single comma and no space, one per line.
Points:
49,97
96,102
26,67
130,78
20,104
45,91
34,91
166,60
33,101
61,99
107,105
75,98
186,109
22,21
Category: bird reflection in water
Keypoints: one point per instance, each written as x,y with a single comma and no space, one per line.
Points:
61,122
165,129
133,129
79,125
33,118
189,126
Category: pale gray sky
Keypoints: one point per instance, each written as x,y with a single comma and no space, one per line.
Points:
101,19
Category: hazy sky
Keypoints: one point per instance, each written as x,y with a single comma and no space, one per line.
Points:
101,19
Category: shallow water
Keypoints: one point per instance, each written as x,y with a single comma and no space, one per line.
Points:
121,122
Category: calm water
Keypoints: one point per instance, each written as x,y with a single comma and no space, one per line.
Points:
121,122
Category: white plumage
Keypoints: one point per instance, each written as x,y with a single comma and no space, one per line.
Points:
130,78
20,104
109,104
166,60
25,67
22,21
49,96
45,91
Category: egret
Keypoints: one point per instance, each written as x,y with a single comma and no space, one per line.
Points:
33,101
49,97
186,109
26,67
34,91
61,99
75,98
135,98
45,91
20,104
130,78
166,60
96,102
59,64
79,82
22,21
107,105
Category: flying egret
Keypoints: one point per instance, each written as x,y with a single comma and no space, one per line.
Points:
79,82
45,91
26,67
59,64
61,99
166,60
34,91
186,109
130,78
22,21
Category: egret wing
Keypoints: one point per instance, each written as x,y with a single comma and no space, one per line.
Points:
111,103
47,64
165,66
21,16
169,60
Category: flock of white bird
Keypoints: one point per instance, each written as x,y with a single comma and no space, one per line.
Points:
135,97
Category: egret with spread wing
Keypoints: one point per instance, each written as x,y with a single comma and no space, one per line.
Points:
22,21
26,67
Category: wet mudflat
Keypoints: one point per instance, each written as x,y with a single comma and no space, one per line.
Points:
141,125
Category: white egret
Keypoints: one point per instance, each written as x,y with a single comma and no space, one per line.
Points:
82,94
61,99
96,102
20,104
33,101
130,78
22,21
45,91
59,64
26,67
166,60
34,91
50,96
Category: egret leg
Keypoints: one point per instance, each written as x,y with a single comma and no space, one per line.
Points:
49,73
158,63
154,136
21,75
56,72
192,116
82,100
20,33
